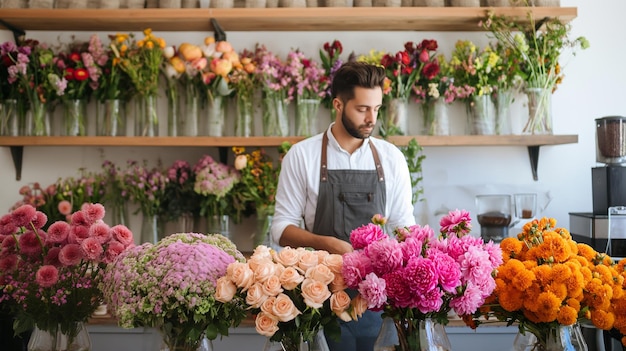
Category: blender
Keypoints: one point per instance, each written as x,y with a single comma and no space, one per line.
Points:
494,216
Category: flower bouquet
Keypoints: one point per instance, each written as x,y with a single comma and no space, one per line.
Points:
417,278
331,61
277,91
547,282
293,293
50,278
244,82
179,198
172,286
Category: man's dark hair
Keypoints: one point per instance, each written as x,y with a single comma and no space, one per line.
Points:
356,74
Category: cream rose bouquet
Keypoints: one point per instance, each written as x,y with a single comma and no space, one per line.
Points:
294,293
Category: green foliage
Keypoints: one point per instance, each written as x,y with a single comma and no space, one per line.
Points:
414,157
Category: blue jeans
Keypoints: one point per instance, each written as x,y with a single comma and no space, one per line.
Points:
358,335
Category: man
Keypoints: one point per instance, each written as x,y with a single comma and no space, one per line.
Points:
337,180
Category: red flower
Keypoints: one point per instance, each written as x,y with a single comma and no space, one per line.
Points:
74,56
430,45
80,74
387,61
424,56
430,70
69,73
402,57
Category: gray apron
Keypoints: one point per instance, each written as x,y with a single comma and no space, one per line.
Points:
348,199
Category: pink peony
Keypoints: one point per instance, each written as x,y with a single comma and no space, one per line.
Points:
47,276
79,218
70,255
52,257
448,269
421,275
78,233
386,256
495,253
365,235
475,265
101,232
396,289
23,215
31,243
7,227
355,267
423,234
457,221
122,234
92,249
114,249
372,288
469,302
411,247
64,207
39,220
8,263
429,301
93,212
58,232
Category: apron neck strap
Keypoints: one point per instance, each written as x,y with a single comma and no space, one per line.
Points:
324,163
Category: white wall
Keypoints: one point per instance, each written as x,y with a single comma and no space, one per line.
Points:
593,87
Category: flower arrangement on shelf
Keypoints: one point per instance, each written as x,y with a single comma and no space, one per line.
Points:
417,275
221,58
244,83
276,88
50,278
331,61
548,280
473,69
404,68
293,293
155,286
308,79
179,197
115,197
145,187
9,84
77,64
113,82
214,182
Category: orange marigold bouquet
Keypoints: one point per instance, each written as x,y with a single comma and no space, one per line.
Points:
548,280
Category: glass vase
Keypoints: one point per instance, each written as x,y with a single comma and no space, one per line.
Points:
185,223
150,229
188,122
110,119
539,111
146,117
174,121
244,124
172,342
395,118
436,120
119,214
407,336
218,224
553,338
215,119
502,101
38,119
306,116
317,343
77,339
9,118
481,115
275,116
75,117
262,231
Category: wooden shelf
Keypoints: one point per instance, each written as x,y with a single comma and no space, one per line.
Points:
423,140
271,19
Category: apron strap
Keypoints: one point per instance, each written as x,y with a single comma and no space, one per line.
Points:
324,163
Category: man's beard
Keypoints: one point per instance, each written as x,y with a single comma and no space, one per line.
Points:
352,129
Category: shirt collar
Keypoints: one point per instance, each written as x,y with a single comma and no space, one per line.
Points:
332,141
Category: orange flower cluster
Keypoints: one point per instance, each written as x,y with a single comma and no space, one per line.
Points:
547,278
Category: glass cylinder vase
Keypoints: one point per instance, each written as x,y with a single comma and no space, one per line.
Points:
551,338
119,214
502,101
218,224
262,232
317,343
188,123
9,118
146,117
38,119
539,111
414,335
75,117
172,342
481,115
72,337
244,124
150,229
110,119
215,118
275,117
173,110
436,120
395,118
306,116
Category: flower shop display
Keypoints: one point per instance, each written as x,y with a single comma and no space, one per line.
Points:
257,185
548,284
293,293
310,84
416,278
221,59
50,278
331,61
12,108
537,47
180,201
141,60
277,90
114,88
474,73
244,83
172,286
146,188
214,182
115,197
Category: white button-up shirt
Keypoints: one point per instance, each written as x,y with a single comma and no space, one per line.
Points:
298,183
